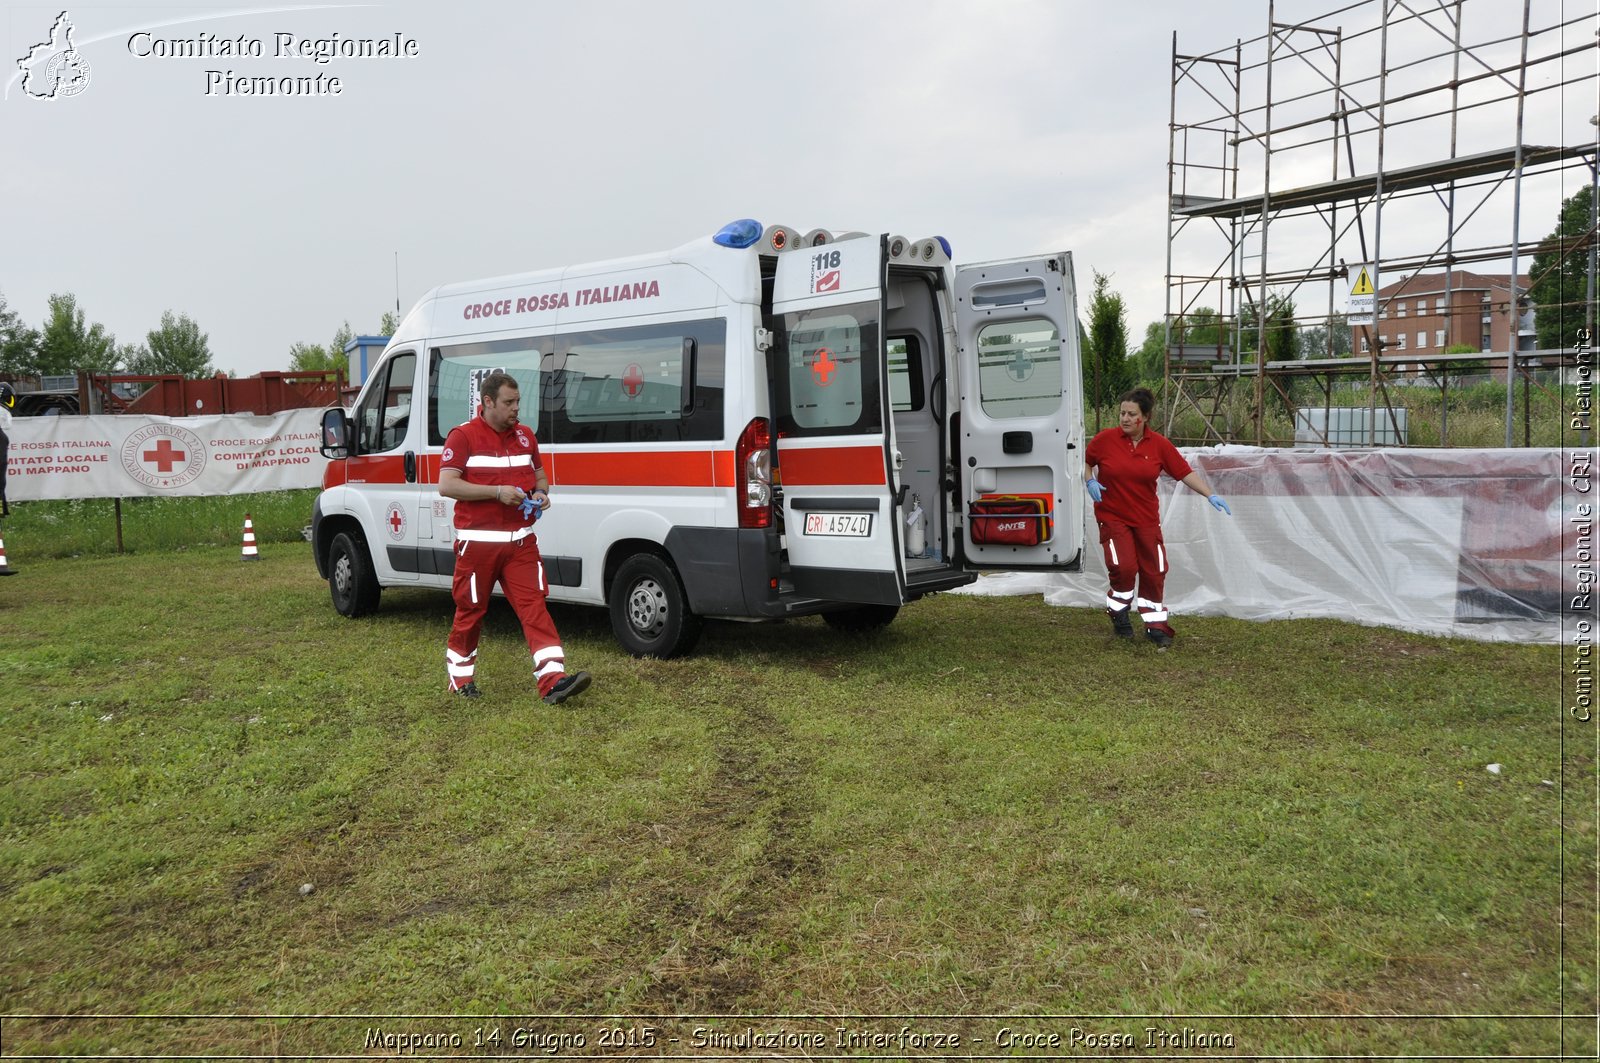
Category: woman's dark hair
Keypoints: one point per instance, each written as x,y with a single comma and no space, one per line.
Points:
1142,396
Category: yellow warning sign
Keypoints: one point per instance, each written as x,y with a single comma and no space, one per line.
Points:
1361,307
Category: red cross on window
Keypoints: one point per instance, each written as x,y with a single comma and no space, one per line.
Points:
396,521
165,455
824,366
633,380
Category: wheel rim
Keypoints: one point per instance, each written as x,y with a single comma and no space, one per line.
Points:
341,575
647,608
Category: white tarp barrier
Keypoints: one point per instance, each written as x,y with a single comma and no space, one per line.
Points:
128,456
1484,544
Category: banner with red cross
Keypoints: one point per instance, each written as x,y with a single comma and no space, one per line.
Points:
132,456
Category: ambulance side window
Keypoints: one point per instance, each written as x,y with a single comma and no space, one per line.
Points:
384,416
646,379
826,376
1019,369
640,384
906,390
454,369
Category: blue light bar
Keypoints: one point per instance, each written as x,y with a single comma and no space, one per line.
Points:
741,233
946,245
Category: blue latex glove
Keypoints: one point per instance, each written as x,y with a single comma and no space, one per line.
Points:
530,508
1096,489
1218,504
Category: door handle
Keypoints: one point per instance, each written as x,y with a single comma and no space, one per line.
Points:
411,466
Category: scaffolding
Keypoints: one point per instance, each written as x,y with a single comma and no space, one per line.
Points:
1395,138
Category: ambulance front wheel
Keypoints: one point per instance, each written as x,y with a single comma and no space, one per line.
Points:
650,611
350,577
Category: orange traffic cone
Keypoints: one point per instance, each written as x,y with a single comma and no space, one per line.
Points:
5,569
250,540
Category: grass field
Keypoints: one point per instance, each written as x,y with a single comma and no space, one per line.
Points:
1283,834
88,526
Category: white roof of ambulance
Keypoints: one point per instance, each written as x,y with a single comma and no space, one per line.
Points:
734,273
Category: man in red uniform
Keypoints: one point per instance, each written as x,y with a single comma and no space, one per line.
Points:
1130,459
488,466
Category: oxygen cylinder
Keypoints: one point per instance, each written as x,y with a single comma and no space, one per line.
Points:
916,529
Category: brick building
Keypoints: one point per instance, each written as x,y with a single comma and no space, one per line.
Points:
1425,315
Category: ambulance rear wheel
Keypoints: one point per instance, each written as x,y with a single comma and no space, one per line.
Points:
351,581
862,617
650,611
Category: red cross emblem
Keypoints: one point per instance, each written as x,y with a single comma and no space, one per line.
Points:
823,367
633,380
396,520
165,455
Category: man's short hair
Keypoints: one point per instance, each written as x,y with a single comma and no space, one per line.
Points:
489,387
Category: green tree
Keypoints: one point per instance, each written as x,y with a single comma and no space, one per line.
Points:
1200,327
390,323
1560,274
178,348
310,357
134,356
68,345
1283,339
1106,370
19,344
1150,360
341,339
1314,339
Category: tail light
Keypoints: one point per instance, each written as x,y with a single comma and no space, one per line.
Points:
753,456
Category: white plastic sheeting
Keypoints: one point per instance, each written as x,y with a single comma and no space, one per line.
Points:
1481,544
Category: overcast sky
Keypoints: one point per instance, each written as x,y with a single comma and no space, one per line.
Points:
532,135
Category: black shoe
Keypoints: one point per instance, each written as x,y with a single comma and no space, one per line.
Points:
567,686
1162,639
470,690
1121,626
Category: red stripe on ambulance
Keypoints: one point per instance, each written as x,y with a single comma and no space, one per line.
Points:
827,466
692,468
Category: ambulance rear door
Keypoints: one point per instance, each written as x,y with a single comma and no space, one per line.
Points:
833,435
1020,434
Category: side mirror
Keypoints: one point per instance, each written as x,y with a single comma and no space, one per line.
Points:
335,434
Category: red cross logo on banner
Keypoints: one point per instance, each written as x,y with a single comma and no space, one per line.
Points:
165,455
633,380
824,366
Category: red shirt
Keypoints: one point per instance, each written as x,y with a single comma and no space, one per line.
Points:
1129,472
485,456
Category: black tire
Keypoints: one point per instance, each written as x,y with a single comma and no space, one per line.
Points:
650,611
351,581
860,618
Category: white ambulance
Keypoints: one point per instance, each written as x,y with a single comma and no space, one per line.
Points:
759,424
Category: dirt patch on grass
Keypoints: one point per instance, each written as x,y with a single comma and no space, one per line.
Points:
299,861
756,801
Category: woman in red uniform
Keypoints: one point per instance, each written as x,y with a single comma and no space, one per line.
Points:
1124,464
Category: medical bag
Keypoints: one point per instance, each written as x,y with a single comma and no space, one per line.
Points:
1011,520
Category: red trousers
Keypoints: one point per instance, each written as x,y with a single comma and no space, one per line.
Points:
1136,552
520,572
